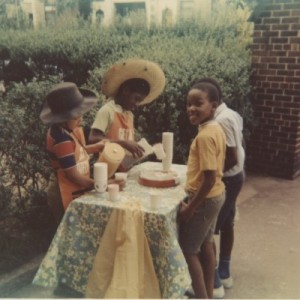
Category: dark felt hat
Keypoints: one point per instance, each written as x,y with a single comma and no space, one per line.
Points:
66,101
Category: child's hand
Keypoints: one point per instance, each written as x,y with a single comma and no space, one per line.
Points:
121,183
185,213
100,146
134,148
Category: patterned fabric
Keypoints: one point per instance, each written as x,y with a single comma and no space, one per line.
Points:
70,257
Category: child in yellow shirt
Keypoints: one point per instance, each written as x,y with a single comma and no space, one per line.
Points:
199,211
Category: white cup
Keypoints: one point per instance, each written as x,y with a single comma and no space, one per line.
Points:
159,151
121,176
100,176
113,192
155,198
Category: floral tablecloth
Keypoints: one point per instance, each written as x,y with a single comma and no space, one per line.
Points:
70,257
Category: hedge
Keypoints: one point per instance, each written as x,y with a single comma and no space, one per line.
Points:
80,52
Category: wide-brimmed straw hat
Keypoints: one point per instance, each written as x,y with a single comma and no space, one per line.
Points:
130,69
66,101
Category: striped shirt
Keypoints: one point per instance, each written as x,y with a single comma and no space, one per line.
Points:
60,147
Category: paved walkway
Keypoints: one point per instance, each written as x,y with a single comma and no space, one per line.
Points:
266,257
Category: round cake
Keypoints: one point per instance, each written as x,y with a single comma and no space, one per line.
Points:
159,178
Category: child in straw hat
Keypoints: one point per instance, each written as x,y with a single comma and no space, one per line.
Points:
129,84
63,109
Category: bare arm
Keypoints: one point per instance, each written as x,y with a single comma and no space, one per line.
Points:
74,176
230,158
135,149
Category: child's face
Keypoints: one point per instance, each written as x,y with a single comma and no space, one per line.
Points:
199,108
73,123
130,100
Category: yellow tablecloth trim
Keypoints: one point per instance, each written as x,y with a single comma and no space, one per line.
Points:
123,266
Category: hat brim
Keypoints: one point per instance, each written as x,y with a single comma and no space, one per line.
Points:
134,68
89,101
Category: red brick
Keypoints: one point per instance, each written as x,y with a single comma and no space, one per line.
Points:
261,27
273,7
293,66
291,118
297,86
295,5
295,27
270,33
275,91
296,13
279,40
295,40
285,73
291,92
267,72
283,98
277,66
287,47
289,33
287,60
259,40
290,20
272,21
291,105
274,78
272,115
280,27
282,110
263,108
294,53
292,79
281,13
269,59
257,33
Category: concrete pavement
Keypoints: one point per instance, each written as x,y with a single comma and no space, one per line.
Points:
266,255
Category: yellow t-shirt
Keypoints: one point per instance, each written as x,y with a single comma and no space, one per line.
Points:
207,152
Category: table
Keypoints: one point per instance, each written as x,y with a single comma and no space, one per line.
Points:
69,259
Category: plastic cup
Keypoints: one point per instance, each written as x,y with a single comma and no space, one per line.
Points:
121,176
155,199
113,192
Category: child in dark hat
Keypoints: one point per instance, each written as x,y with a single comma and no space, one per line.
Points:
63,109
129,84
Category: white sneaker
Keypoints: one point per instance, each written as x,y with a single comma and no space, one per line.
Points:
219,293
227,282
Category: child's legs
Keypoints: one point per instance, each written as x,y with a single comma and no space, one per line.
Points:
225,223
196,272
195,233
208,261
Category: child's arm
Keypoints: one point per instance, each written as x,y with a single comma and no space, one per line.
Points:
74,176
187,210
95,148
134,148
230,158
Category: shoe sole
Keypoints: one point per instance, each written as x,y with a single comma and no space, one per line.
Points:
227,282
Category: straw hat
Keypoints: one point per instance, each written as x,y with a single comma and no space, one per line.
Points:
66,101
134,68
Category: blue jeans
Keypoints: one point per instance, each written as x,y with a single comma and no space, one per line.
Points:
233,185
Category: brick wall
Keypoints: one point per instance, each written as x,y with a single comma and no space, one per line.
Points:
274,146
